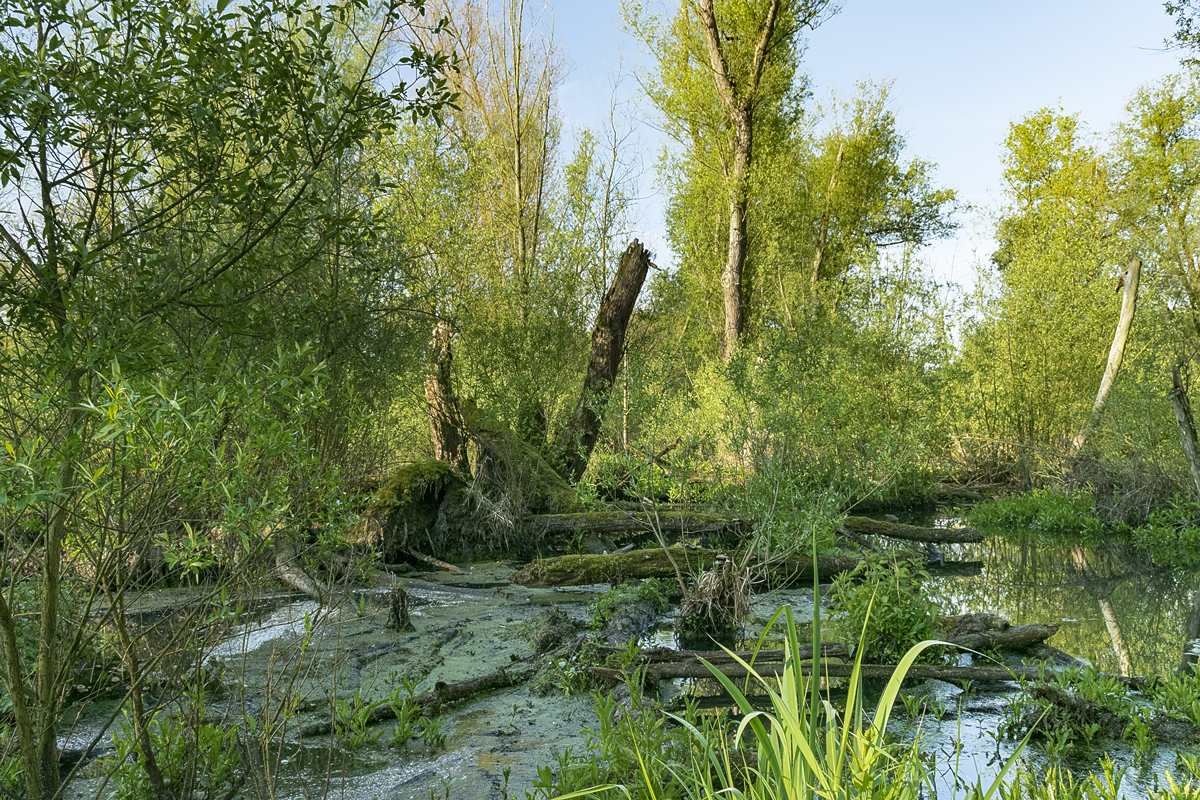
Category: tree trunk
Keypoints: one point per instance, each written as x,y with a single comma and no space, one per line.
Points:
1187,425
731,278
445,422
823,233
608,347
1115,354
917,672
669,522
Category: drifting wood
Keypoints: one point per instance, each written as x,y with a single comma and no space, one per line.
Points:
664,655
674,522
1015,638
432,701
657,563
918,672
608,348
1116,353
434,562
910,533
959,493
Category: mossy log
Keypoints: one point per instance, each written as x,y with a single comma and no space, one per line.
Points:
910,533
432,701
672,522
658,563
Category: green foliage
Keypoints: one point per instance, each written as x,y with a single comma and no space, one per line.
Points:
1170,535
886,607
203,759
352,720
1046,511
411,483
651,592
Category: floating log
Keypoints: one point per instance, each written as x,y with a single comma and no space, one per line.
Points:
910,533
433,562
670,521
665,655
917,672
432,701
1018,637
583,570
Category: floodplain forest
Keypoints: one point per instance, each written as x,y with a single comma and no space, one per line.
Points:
355,443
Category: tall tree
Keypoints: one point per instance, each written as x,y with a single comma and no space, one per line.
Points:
723,69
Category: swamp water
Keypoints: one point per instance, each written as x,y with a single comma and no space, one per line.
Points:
1114,613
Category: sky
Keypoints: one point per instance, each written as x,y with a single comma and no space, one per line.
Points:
962,71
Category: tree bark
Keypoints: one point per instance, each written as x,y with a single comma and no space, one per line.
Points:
1115,355
445,421
608,348
1187,425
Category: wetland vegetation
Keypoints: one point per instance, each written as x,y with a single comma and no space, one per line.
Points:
354,445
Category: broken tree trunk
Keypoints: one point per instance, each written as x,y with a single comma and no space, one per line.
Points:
657,563
1186,423
669,522
1115,354
291,572
608,348
911,533
432,701
445,421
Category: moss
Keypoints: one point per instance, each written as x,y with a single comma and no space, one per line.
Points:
651,591
517,469
412,483
408,505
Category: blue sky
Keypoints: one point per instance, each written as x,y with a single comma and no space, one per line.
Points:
963,70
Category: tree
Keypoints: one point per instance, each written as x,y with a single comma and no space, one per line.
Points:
160,164
723,71
1039,346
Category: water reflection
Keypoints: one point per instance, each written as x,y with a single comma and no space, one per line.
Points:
1116,610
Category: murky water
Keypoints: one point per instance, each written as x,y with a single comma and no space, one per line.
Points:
1115,612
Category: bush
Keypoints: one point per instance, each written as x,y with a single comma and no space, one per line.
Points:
883,604
1042,510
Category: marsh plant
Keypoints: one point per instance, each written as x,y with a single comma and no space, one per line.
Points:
886,605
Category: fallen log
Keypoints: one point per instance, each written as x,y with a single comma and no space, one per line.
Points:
909,533
582,570
432,701
1015,638
665,655
917,672
433,562
669,521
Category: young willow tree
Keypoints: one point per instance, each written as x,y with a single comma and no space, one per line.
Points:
162,166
